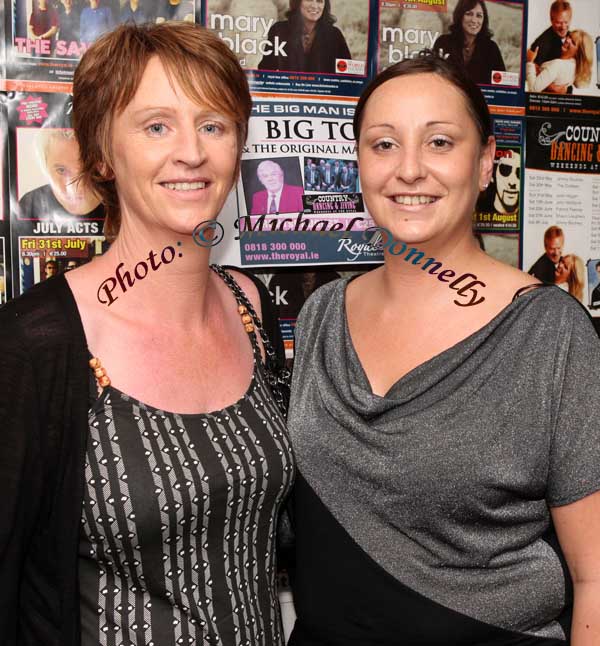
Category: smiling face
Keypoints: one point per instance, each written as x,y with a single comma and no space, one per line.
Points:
472,21
569,48
507,178
560,22
421,160
554,247
63,166
312,10
174,160
563,270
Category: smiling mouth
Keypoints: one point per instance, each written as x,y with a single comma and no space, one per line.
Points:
184,186
414,200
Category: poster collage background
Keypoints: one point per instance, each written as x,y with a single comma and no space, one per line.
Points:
547,169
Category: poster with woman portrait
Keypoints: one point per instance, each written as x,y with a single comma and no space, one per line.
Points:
561,76
561,228
485,37
316,47
46,38
46,200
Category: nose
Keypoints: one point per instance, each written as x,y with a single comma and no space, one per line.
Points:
189,147
410,167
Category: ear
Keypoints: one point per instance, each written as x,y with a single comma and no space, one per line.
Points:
486,162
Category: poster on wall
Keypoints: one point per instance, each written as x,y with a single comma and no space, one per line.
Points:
562,206
45,198
3,271
298,48
289,289
46,38
497,217
5,282
298,197
562,59
41,257
493,28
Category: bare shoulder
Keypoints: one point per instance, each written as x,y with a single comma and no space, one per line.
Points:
249,288
505,280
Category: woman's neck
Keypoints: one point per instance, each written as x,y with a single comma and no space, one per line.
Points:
469,41
165,276
308,27
416,271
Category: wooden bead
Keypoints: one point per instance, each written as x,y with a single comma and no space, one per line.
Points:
242,309
94,362
104,381
99,372
249,327
246,318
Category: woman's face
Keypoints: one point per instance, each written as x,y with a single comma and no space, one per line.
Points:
569,48
421,161
63,166
174,159
472,21
312,10
562,271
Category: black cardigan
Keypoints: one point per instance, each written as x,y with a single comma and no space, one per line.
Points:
44,399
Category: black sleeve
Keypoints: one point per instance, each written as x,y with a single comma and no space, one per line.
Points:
342,50
269,61
540,42
270,321
19,469
498,61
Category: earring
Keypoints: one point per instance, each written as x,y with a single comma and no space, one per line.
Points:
485,186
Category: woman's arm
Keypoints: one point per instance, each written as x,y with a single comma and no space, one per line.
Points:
578,529
20,469
497,60
30,32
270,61
50,32
342,50
539,82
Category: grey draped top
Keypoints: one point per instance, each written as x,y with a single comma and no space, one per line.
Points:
446,482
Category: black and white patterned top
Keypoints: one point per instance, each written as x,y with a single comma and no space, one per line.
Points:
178,523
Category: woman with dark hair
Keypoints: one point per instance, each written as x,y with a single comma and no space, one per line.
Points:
312,42
444,411
469,43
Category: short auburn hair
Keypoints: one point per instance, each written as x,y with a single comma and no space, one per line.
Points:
110,73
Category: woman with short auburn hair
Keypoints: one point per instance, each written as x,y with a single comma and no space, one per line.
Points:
143,452
444,410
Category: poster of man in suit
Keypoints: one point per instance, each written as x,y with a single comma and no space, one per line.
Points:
272,186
